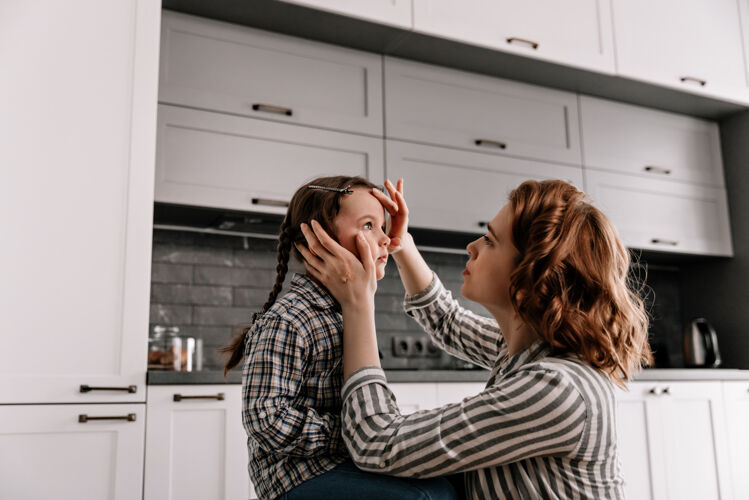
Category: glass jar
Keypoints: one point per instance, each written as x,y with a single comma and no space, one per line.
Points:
164,348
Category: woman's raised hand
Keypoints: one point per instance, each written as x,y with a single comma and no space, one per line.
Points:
396,207
353,283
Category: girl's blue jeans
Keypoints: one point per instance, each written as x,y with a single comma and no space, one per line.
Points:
348,482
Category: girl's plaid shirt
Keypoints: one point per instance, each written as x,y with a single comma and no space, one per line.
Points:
291,386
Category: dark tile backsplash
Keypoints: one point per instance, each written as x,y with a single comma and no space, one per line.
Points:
209,285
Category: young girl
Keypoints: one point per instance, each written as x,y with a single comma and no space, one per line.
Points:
292,376
565,328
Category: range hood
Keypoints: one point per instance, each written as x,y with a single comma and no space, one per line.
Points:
261,225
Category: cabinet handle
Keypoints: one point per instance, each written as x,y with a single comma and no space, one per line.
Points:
659,241
130,417
666,391
269,108
658,391
180,397
487,142
483,223
657,170
269,202
685,79
533,45
132,389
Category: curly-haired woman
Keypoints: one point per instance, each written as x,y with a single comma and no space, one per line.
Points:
566,328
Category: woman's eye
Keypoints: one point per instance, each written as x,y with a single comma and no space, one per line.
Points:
487,240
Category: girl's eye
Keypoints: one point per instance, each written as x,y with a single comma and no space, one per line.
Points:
368,225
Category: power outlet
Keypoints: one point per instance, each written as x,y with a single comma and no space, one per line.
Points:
414,346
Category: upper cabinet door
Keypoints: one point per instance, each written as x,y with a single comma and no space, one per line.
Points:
693,45
574,32
234,69
650,143
453,108
77,145
392,12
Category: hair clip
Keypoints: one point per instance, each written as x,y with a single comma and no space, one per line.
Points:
344,190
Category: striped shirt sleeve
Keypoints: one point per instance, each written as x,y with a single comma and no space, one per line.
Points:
456,330
534,412
273,379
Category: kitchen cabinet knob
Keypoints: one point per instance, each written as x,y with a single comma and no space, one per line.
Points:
666,390
488,142
132,389
685,79
660,241
219,397
531,43
657,170
483,223
269,108
130,417
269,202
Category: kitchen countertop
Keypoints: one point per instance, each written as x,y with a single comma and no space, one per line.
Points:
654,374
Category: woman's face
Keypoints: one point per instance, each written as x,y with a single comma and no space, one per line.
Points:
361,211
486,278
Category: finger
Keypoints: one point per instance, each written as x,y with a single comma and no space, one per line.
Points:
389,204
391,189
310,260
313,242
400,185
328,243
402,207
365,253
314,273
395,242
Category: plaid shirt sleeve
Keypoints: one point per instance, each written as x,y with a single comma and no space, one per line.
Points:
273,374
455,329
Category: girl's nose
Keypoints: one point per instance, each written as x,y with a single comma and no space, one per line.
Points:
384,238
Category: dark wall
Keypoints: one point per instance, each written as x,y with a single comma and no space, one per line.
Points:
719,289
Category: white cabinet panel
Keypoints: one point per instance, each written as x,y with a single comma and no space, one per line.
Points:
663,215
391,12
197,446
681,44
234,69
46,452
77,144
452,108
640,459
218,160
412,397
654,144
736,395
574,32
457,190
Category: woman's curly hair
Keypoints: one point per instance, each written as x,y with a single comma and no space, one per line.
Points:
571,282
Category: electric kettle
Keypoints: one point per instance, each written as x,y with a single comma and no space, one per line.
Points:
701,345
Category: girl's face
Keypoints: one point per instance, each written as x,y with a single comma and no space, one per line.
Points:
492,260
361,211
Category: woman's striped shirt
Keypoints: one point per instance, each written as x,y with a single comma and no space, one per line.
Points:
544,427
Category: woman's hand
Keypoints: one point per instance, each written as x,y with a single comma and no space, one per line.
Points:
396,207
353,283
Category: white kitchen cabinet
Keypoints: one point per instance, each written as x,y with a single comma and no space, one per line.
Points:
654,144
672,440
415,396
456,190
77,142
235,69
197,446
224,161
695,46
395,13
736,396
574,33
451,108
61,451
663,215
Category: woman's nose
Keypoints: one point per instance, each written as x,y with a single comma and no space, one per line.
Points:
470,248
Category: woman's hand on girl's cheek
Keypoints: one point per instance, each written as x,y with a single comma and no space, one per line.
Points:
398,210
350,281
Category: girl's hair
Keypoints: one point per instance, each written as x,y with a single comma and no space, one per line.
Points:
307,203
571,279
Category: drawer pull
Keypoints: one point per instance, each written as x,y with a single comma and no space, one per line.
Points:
685,79
487,142
657,170
269,108
132,389
659,241
483,223
531,43
658,391
130,417
180,397
269,202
